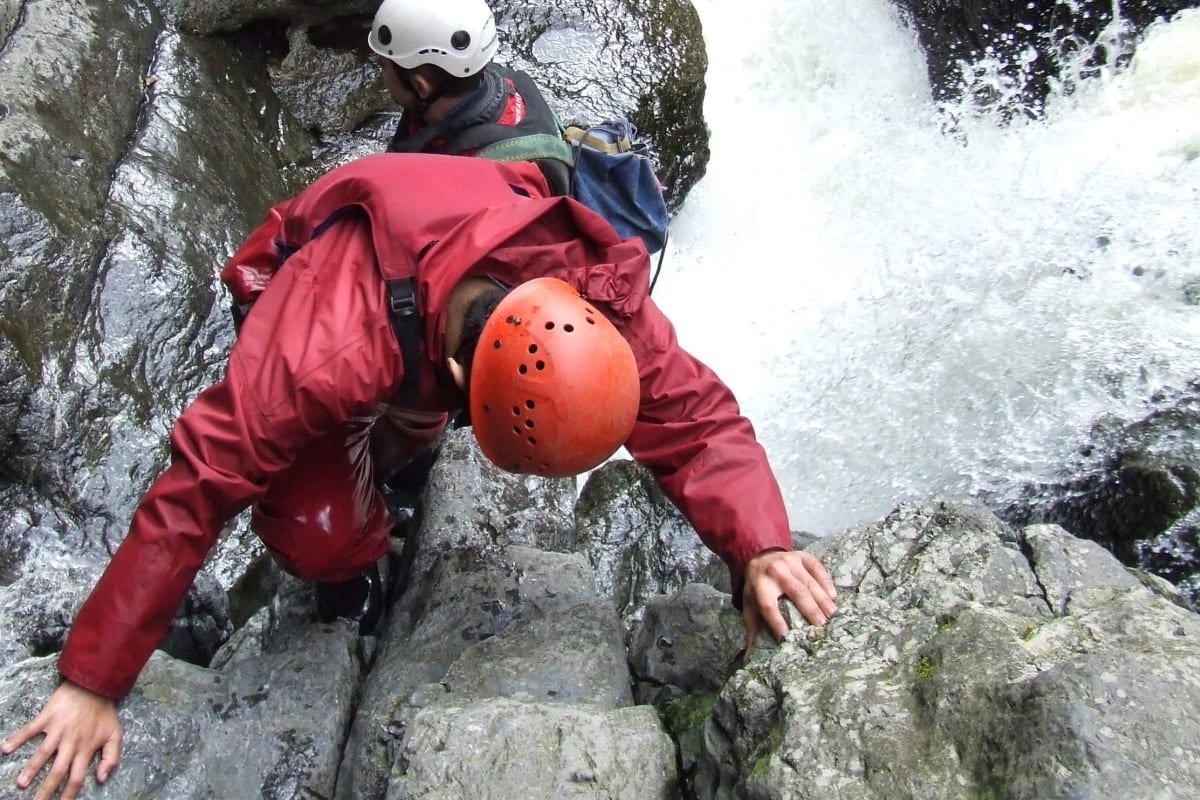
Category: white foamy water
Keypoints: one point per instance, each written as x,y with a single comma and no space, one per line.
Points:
904,313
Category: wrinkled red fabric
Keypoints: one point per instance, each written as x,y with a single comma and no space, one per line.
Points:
322,517
317,352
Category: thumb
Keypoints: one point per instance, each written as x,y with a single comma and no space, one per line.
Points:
751,620
109,756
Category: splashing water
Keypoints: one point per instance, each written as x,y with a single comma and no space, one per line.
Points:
906,313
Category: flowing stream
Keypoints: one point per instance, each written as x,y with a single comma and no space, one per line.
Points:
907,312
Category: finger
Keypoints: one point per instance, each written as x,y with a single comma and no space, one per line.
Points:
820,595
79,770
803,580
767,598
750,617
33,765
818,571
110,756
24,734
54,778
803,590
801,594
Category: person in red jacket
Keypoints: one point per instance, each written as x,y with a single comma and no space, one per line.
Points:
317,360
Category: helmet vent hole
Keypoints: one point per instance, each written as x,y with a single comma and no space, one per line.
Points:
569,328
516,411
529,404
385,35
532,349
523,369
487,409
549,326
496,344
591,321
541,365
460,40
532,440
528,423
516,430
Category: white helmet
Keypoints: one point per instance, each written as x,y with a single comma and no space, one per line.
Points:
457,35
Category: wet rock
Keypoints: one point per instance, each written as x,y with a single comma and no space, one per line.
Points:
15,386
485,613
265,727
1136,491
967,657
9,11
636,540
331,88
682,652
688,640
509,748
502,670
1033,45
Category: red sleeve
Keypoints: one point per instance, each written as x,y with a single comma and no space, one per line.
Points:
306,362
693,437
247,272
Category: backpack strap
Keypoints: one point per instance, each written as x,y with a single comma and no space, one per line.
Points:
606,137
406,324
529,147
658,269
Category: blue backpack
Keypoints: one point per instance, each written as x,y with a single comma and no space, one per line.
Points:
612,173
614,176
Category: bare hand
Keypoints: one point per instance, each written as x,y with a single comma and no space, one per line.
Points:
76,724
793,574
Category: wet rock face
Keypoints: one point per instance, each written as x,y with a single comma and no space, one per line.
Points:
967,659
1035,44
1137,492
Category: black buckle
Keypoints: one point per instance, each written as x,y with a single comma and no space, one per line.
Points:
401,300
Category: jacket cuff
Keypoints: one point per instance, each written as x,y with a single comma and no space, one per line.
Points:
92,683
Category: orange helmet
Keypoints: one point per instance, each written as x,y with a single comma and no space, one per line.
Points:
554,386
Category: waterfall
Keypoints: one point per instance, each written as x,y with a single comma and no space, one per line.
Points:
907,308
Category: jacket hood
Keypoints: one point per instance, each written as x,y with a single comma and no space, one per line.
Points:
533,238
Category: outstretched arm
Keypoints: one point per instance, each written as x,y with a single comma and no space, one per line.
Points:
703,451
75,725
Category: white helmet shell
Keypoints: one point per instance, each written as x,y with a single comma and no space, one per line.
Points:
457,35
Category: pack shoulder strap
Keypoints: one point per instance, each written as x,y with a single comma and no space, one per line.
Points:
529,147
406,323
618,143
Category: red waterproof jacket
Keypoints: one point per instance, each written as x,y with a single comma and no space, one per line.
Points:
318,349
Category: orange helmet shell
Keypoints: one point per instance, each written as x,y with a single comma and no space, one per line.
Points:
554,386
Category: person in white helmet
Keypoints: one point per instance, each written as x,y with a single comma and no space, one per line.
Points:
437,65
